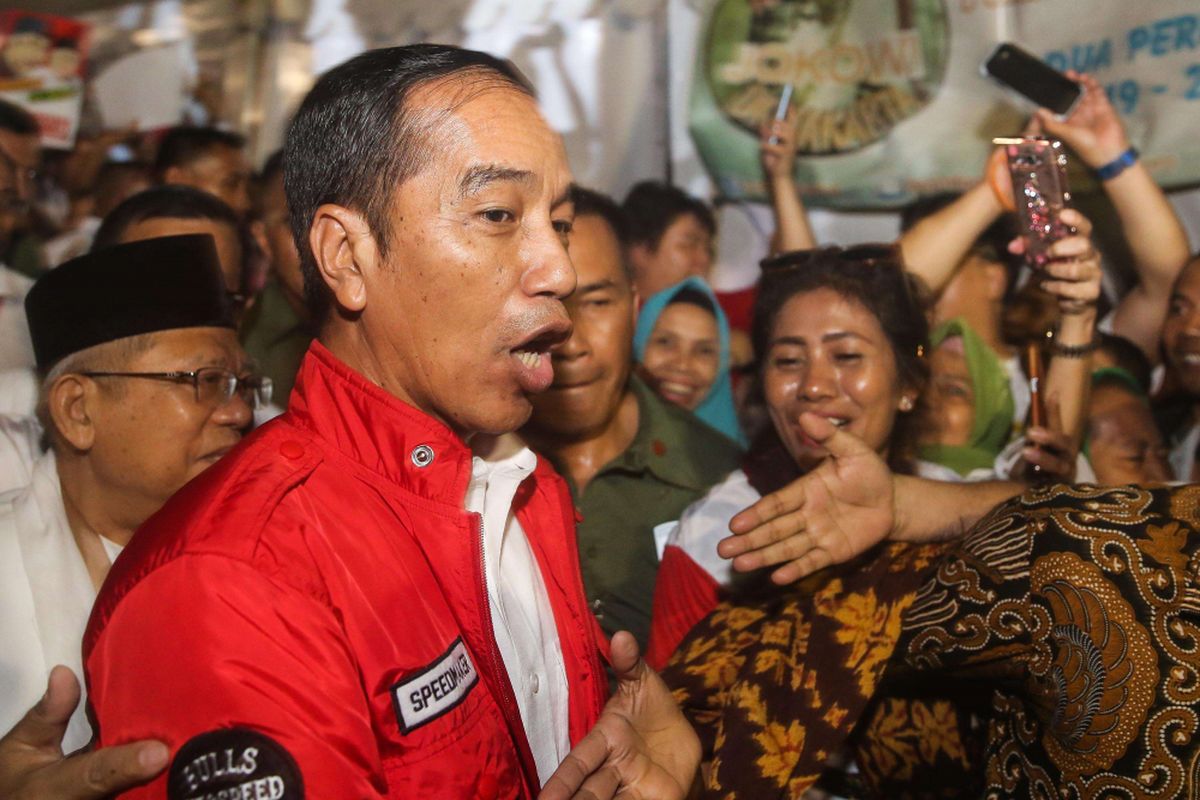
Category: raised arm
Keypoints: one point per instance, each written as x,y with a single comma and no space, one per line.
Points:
1073,277
792,231
935,246
1155,235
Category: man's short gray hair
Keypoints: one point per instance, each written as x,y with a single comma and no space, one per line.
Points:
107,357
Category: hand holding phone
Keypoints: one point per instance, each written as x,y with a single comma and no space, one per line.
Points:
1033,78
781,111
1038,168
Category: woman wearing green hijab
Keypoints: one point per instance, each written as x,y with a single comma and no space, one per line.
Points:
968,408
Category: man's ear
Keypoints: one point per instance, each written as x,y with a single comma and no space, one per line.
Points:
70,403
345,250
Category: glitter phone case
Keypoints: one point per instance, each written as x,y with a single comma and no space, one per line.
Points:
1039,178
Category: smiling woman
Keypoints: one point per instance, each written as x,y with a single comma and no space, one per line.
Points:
682,348
843,336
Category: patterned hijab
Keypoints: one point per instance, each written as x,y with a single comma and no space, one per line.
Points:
716,409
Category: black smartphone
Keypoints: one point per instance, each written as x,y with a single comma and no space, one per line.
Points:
1033,78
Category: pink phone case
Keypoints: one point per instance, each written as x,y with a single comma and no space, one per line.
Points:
1039,177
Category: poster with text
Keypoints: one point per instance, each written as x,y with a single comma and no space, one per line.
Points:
890,99
42,58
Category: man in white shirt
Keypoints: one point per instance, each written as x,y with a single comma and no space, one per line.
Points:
15,349
145,388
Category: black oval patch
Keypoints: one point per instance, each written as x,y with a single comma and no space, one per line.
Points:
234,764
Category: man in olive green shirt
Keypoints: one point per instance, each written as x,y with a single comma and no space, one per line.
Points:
278,330
634,462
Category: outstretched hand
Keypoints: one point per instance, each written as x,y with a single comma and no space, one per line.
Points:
32,765
1094,130
642,747
837,511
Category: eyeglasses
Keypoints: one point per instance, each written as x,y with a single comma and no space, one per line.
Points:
867,254
214,386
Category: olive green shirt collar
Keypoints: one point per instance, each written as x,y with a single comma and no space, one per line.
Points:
663,435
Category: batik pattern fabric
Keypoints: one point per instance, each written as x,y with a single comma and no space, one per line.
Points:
1080,608
776,684
1072,611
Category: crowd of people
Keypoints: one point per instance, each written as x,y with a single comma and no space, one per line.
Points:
375,472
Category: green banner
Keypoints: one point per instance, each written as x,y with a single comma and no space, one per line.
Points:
889,97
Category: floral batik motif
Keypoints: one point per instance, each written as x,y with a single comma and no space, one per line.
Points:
775,685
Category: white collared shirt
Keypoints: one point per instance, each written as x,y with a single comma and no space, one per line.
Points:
46,595
16,348
522,617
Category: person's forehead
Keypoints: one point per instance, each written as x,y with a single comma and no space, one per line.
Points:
595,252
193,348
23,149
949,360
689,315
474,124
823,309
222,157
687,224
155,227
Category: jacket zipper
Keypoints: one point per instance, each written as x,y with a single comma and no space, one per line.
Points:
508,698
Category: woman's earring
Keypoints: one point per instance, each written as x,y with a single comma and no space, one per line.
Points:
906,403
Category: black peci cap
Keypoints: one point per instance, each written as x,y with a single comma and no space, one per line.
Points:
152,285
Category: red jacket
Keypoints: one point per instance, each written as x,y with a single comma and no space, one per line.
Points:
315,604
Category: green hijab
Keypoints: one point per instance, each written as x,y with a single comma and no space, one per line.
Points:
994,407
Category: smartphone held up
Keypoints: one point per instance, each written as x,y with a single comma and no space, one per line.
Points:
1038,168
1033,79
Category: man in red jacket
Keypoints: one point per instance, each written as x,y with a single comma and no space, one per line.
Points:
378,594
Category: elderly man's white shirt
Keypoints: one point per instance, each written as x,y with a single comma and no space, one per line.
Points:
20,448
16,348
46,596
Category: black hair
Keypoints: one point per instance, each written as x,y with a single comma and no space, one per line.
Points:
15,119
652,206
175,202
185,144
1129,357
354,140
886,290
693,297
111,181
590,203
